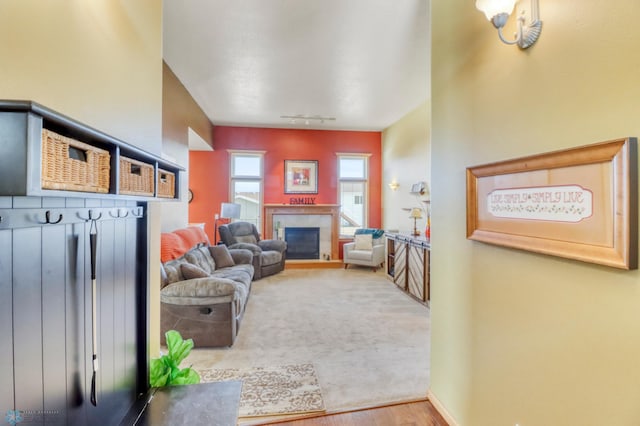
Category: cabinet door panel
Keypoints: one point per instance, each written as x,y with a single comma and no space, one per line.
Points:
416,275
27,325
6,323
400,265
54,323
76,290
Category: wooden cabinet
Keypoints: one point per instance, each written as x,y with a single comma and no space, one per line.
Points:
45,309
408,264
46,302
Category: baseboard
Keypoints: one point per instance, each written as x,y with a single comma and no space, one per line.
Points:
313,264
284,418
440,408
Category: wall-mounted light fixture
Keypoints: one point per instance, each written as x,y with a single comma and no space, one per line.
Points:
394,185
498,11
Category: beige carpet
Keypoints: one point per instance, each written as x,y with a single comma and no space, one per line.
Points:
273,390
368,341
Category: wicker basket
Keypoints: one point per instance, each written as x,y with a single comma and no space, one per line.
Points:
70,165
136,177
166,184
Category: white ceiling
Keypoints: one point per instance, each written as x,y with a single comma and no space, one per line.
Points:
247,62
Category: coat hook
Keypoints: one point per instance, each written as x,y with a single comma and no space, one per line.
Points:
134,212
90,216
119,213
47,216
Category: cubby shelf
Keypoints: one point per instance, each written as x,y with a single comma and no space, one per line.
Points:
21,125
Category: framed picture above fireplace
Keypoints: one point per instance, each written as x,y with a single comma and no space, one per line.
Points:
300,176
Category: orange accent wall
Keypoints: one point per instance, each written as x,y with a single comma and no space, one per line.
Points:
209,171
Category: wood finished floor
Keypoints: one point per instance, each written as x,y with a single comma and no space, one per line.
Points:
412,414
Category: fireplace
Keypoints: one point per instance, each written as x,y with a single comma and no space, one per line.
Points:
278,217
302,243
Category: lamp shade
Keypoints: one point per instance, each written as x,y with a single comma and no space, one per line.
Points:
230,210
416,213
492,8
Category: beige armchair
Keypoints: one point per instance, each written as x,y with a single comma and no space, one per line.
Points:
367,249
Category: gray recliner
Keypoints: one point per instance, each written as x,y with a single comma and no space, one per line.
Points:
268,255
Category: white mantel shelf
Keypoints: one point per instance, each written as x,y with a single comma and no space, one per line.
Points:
306,209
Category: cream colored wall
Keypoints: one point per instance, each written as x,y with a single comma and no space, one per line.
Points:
519,337
180,113
406,160
97,61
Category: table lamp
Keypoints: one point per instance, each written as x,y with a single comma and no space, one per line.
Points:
415,214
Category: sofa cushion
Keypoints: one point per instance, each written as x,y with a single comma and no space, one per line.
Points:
360,254
271,257
221,256
253,248
190,271
241,256
201,257
172,272
363,242
249,239
200,287
238,273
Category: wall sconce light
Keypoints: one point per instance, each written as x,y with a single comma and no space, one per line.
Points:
394,185
498,11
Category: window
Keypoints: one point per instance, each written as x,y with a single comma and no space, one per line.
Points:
246,185
353,184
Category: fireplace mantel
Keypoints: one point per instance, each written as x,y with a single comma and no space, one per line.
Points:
305,209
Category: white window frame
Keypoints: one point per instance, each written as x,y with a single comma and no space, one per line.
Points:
365,180
233,153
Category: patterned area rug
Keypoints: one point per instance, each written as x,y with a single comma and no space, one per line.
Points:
269,391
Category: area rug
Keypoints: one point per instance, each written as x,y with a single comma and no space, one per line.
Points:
274,390
367,339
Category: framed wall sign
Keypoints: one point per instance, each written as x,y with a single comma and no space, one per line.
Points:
300,177
579,203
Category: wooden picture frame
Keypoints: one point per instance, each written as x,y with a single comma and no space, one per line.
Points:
300,176
580,203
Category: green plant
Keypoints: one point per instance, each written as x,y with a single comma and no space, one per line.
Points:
165,371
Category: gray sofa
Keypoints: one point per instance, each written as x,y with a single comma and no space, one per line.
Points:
207,309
